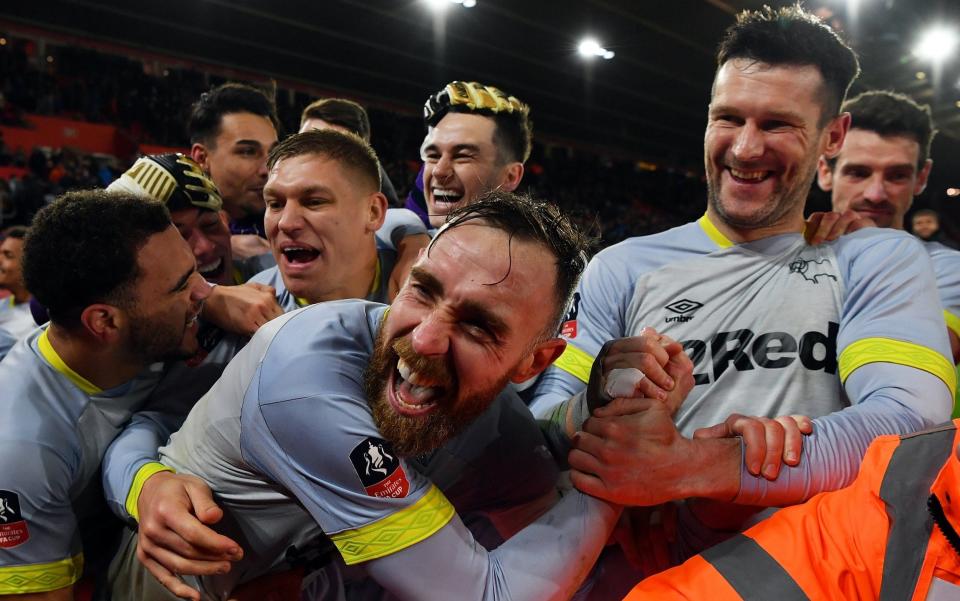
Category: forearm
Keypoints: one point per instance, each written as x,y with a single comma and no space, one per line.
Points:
546,560
832,453
136,446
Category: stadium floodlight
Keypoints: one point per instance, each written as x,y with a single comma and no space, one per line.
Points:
936,44
442,5
590,48
953,191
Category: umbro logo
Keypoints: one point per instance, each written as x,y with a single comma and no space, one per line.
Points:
682,307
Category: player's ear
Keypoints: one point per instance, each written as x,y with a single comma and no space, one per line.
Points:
539,359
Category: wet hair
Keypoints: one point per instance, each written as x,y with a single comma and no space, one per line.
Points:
347,149
82,249
206,115
891,114
339,111
525,218
792,36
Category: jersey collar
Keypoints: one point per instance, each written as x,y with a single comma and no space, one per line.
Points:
57,363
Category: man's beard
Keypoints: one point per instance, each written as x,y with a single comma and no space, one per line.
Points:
412,436
150,340
782,201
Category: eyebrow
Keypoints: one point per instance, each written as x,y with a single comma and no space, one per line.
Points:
249,143
182,281
456,147
468,308
778,115
855,165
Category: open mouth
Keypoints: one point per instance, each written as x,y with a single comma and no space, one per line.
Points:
749,177
413,393
211,270
299,255
446,196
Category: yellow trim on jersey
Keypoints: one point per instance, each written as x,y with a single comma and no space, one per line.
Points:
375,287
238,277
397,531
575,362
46,349
713,233
40,577
133,495
886,350
953,322
301,301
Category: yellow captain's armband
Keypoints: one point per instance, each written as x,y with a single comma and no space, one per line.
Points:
133,495
575,362
397,531
886,350
40,577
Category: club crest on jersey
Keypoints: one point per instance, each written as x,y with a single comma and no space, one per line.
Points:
811,270
379,469
569,327
13,528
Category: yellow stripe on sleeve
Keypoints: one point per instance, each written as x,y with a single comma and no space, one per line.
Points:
40,577
886,350
133,495
713,233
575,362
397,531
953,322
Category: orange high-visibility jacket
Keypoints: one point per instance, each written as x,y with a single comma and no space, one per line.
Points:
891,535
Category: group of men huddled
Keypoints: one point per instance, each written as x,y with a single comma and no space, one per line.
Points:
220,370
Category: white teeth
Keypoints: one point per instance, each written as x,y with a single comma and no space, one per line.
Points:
210,267
414,378
754,175
295,248
444,195
404,369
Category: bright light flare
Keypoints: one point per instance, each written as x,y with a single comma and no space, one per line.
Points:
953,191
936,44
443,5
590,48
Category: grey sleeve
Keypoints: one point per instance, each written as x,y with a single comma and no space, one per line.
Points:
137,445
897,400
546,560
397,225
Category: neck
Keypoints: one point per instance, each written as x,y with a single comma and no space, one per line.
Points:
20,295
788,225
97,363
362,281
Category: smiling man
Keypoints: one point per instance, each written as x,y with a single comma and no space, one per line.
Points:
324,207
16,320
478,139
69,388
329,403
849,333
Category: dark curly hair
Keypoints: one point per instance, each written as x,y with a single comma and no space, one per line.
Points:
82,249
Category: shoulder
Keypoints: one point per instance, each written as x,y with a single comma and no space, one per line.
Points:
268,276
647,253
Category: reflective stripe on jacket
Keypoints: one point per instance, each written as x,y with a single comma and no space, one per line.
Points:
891,535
